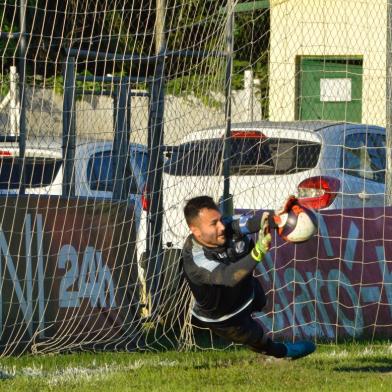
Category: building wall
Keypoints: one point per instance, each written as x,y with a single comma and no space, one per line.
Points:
328,28
94,115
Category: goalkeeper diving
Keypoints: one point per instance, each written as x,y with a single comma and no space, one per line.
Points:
218,263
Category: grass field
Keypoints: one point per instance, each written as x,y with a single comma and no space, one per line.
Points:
343,367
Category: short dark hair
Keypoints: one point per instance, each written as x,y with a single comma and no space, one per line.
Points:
194,205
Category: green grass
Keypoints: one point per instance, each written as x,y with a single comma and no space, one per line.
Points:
344,367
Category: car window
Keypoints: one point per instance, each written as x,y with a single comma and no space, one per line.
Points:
248,157
40,172
204,157
100,173
291,156
364,156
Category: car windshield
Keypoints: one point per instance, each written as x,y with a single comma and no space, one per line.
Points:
249,156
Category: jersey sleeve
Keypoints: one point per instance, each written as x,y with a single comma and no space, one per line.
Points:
241,225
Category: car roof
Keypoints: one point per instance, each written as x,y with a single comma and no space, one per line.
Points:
316,128
52,146
305,125
295,125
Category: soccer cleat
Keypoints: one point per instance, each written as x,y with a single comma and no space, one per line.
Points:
299,349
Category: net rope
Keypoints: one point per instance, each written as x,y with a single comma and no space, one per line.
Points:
90,242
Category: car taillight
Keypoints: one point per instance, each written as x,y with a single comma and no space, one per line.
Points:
318,192
145,200
4,153
247,135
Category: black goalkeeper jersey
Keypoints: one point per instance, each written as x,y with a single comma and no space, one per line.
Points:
221,278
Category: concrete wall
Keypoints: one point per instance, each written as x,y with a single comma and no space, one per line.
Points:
94,115
328,28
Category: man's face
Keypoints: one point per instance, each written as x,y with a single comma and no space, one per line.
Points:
208,229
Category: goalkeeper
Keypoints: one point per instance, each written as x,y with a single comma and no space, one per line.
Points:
218,262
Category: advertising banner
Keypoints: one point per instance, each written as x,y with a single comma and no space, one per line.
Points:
338,284
68,273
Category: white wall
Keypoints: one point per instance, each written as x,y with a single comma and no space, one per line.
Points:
94,115
328,28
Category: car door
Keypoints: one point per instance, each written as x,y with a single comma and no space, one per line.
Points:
100,178
98,173
363,162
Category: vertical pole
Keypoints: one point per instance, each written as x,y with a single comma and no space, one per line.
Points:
120,143
388,176
154,180
22,79
14,102
248,87
69,128
227,197
160,39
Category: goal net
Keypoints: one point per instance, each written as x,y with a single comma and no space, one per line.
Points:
115,113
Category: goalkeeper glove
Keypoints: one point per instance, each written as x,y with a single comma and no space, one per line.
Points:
263,241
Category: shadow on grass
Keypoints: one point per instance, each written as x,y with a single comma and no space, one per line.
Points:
365,369
376,365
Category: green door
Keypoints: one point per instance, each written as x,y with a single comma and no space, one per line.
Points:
329,89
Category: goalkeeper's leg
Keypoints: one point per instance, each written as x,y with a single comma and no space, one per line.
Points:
249,332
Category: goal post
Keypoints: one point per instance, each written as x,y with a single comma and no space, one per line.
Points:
123,111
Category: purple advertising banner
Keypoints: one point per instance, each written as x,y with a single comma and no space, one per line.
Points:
338,284
68,275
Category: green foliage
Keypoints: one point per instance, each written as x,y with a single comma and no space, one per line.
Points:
251,41
200,88
129,28
57,83
5,85
7,46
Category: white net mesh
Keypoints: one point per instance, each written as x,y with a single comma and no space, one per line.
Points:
115,113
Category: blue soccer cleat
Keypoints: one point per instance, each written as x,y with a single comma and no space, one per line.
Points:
299,349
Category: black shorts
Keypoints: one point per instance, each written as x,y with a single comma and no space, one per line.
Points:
242,328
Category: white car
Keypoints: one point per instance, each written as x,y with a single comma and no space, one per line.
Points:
327,165
93,172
